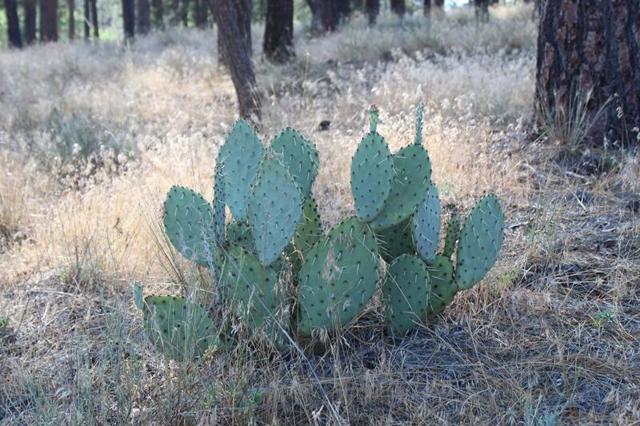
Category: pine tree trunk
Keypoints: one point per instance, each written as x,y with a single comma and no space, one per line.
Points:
373,10
29,21
278,32
71,4
128,19
329,15
49,20
231,27
143,16
94,19
591,50
13,23
158,13
398,7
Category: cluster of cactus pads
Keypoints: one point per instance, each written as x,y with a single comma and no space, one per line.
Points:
281,277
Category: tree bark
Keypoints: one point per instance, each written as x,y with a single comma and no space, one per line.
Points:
158,13
13,23
49,20
143,17
71,4
128,19
87,19
591,47
316,20
373,10
29,21
329,15
200,13
278,31
344,10
482,10
94,19
398,7
238,56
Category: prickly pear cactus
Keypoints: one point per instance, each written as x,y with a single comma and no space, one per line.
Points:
396,241
299,156
309,230
406,292
425,225
443,286
371,175
338,277
219,204
189,224
180,329
239,234
275,208
238,163
453,233
480,241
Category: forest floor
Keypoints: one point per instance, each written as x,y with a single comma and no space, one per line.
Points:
92,137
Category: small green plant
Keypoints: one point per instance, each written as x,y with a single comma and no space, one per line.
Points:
282,278
4,322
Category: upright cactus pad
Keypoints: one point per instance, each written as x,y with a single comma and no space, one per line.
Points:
239,234
419,124
425,225
338,277
219,204
275,208
180,329
453,233
189,223
443,286
408,187
371,175
405,292
238,164
299,156
309,230
396,241
480,241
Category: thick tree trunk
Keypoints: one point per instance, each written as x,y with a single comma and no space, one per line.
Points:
482,10
71,4
278,31
398,7
329,15
373,10
94,19
13,23
242,7
238,56
200,13
158,13
128,19
143,16
49,20
590,50
29,21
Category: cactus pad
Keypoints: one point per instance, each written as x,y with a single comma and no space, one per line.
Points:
425,225
396,241
408,187
443,287
299,156
180,329
239,234
406,292
275,208
238,164
371,176
309,230
338,277
189,224
453,233
480,241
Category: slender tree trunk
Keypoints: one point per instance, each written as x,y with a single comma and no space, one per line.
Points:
398,7
158,13
29,21
329,15
94,19
87,19
316,20
13,23
143,16
344,10
278,31
184,13
238,59
129,19
71,4
482,10
591,47
200,13
426,10
49,20
373,10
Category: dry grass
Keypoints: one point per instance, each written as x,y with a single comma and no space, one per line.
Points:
550,337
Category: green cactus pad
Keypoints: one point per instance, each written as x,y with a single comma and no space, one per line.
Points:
275,208
453,233
238,164
219,210
299,156
396,241
419,123
338,277
239,234
180,329
405,293
480,241
443,286
371,176
189,223
309,230
425,225
408,187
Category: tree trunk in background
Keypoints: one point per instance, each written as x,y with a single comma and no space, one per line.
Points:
143,17
49,20
71,4
13,23
94,19
278,31
426,10
344,10
87,19
398,7
184,13
238,56
29,21
439,4
242,8
200,13
174,13
591,46
482,10
329,15
316,20
129,19
158,13
373,10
